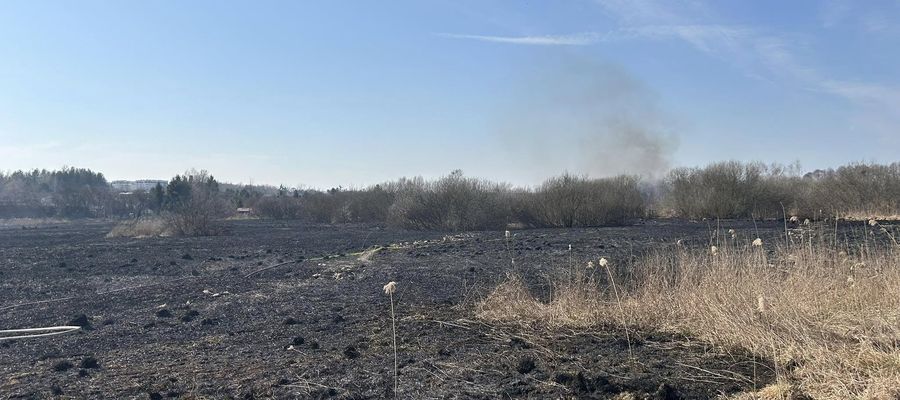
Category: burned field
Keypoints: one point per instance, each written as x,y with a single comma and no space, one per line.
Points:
293,310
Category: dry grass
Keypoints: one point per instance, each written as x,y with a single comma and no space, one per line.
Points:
776,391
830,322
141,228
860,216
366,256
30,222
389,290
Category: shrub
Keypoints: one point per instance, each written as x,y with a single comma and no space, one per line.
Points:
456,202
856,189
279,207
368,205
742,190
732,190
573,201
453,202
193,205
323,207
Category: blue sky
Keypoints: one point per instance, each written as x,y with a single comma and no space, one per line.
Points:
356,92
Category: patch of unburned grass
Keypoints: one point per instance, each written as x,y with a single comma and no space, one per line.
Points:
30,222
828,320
141,228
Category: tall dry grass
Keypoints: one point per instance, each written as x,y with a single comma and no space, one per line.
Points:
141,228
829,321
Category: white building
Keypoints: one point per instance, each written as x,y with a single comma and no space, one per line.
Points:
140,184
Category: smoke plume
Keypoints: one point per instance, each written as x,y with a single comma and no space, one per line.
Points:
586,117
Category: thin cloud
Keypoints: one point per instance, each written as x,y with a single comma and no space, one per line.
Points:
846,13
578,39
763,54
708,38
775,54
701,36
758,54
864,92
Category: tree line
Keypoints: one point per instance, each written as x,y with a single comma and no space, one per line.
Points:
456,202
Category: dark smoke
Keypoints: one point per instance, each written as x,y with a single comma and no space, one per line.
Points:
587,117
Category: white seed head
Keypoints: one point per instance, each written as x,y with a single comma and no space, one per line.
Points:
757,242
873,222
390,288
679,242
794,218
590,265
603,262
506,234
806,221
731,231
714,250
570,247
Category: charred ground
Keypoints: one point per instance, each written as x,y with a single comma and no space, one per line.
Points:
181,318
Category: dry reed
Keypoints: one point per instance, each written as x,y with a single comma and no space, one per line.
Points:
389,290
829,319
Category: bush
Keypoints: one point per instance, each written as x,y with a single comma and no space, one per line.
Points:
743,190
724,190
279,207
453,202
573,201
369,205
199,217
323,207
193,205
857,189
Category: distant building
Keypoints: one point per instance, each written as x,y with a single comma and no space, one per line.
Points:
244,211
140,184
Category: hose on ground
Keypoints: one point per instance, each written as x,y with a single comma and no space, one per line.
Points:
36,332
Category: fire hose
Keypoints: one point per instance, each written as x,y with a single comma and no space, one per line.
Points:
36,332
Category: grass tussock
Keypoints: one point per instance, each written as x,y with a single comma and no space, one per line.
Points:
829,321
141,228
